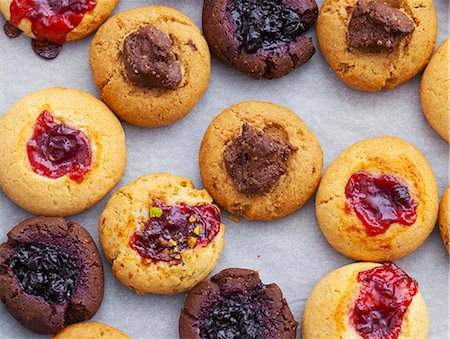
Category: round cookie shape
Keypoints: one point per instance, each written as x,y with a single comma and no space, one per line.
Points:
91,330
236,304
63,150
151,65
444,218
262,39
57,21
259,160
434,91
376,45
51,274
378,200
161,234
350,302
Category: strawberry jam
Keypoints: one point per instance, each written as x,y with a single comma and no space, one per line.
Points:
56,149
379,201
50,19
174,228
385,295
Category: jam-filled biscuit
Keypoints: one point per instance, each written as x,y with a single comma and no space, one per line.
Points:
259,160
378,200
444,218
261,38
51,274
236,304
91,330
161,234
62,151
366,300
374,45
57,21
435,90
151,65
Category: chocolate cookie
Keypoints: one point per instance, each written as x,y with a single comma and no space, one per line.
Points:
51,274
261,38
236,304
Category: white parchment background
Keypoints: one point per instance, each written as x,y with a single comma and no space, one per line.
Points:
291,252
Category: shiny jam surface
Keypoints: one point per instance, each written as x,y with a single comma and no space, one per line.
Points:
50,19
56,149
379,201
174,228
385,295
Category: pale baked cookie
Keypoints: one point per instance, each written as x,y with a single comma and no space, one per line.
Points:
435,89
91,330
444,218
374,45
62,151
151,65
259,160
378,200
366,300
57,21
161,234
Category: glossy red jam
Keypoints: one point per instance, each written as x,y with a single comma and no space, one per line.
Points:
379,201
50,19
56,149
385,295
172,229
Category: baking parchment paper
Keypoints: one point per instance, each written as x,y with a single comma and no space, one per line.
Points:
291,252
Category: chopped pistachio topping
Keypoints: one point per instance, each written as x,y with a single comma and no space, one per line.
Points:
155,212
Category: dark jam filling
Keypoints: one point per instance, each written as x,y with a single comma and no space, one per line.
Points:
238,315
379,201
56,149
50,19
385,295
172,229
45,271
265,24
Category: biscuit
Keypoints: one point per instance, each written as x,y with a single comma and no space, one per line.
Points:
91,330
172,72
261,38
342,303
38,26
62,151
435,89
444,218
378,200
385,68
161,234
259,160
51,274
236,304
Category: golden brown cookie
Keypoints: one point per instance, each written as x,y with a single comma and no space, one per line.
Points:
91,330
151,65
161,234
444,218
378,200
366,57
435,89
355,299
39,21
62,151
259,160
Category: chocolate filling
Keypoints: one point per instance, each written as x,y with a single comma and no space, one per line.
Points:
149,59
255,160
376,26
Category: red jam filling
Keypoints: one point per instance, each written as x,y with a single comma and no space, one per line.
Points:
56,149
174,228
385,295
50,19
379,201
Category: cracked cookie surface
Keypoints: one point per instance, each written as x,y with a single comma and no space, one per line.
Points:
91,330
